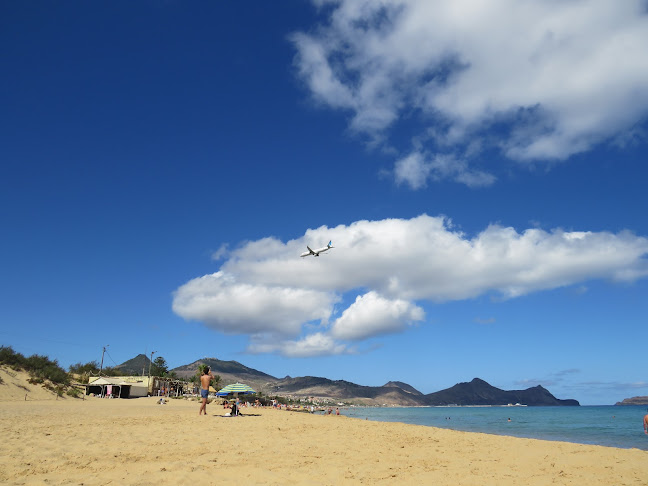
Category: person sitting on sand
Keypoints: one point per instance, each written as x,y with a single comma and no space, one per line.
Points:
205,380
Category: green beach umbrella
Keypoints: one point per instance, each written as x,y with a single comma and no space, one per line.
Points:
235,388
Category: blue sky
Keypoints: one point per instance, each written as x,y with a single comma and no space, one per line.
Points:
481,173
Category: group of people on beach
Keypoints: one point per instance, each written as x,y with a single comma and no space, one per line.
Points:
233,408
206,379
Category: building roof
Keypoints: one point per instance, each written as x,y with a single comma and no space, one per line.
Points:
109,381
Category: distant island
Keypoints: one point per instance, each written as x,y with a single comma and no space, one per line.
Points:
478,392
634,401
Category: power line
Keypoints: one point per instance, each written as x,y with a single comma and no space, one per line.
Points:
111,358
37,338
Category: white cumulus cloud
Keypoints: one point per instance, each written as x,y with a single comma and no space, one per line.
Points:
372,314
247,308
555,77
392,267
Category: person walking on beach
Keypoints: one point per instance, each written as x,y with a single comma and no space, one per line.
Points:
205,380
646,424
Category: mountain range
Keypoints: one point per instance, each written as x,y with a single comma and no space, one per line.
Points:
475,392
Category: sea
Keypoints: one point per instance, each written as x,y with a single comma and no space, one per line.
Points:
611,426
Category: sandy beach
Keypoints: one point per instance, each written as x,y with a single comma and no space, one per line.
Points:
101,441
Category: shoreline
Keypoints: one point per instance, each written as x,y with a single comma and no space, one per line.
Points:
137,441
607,425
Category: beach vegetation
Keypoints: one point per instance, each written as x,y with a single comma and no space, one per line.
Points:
40,367
73,392
83,371
87,368
159,367
43,367
11,358
216,383
112,371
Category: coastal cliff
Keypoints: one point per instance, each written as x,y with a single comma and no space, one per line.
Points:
634,401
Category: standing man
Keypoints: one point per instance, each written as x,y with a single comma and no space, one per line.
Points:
646,424
205,380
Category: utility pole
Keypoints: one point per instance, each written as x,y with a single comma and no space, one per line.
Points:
150,363
149,379
102,356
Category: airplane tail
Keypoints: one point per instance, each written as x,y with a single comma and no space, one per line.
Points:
330,244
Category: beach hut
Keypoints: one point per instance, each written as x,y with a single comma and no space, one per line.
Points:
116,387
108,387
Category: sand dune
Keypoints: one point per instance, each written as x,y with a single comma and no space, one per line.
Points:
15,387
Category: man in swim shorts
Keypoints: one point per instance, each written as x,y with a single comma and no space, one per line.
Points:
646,424
205,380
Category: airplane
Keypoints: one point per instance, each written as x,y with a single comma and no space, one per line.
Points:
316,252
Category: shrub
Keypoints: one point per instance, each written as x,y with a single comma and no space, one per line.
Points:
11,358
84,369
39,367
42,367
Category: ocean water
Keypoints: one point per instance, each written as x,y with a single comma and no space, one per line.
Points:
610,426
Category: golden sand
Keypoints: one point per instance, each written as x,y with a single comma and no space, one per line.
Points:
137,441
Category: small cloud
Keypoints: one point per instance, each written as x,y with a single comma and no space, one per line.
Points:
417,168
412,170
551,380
581,289
489,320
570,371
614,385
531,382
318,344
221,253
